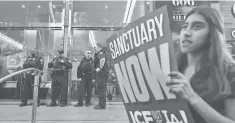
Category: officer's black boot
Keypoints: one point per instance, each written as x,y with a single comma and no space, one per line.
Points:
38,103
23,104
89,104
52,104
61,104
99,107
78,105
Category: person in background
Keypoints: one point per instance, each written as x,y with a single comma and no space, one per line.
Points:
60,66
101,77
33,61
84,75
111,87
19,80
206,77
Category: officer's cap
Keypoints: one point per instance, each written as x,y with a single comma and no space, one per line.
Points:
61,51
34,51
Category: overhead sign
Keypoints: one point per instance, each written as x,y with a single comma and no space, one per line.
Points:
142,55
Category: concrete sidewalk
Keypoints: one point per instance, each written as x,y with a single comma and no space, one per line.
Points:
69,114
45,102
115,101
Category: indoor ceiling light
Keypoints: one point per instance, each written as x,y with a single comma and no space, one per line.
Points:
39,6
53,6
129,11
92,39
126,11
23,6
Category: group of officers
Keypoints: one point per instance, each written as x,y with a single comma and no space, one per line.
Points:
89,72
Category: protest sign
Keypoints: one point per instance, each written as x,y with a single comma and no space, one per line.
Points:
142,55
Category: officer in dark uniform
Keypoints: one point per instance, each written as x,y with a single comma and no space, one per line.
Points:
33,61
60,66
101,78
84,75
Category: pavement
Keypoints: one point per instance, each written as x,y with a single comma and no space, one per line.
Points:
68,114
115,112
115,100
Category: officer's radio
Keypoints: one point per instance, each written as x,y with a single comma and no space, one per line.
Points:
30,62
57,64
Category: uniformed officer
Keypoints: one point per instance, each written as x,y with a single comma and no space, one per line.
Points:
84,75
33,61
101,78
60,66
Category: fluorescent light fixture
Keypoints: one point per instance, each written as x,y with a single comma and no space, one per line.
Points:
51,12
62,18
92,39
10,41
23,6
129,11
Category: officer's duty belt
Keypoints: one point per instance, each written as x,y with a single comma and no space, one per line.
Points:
87,74
59,73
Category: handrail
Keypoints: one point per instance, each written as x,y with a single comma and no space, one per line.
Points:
37,73
18,72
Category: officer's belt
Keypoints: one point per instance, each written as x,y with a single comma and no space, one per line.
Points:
59,72
87,74
30,72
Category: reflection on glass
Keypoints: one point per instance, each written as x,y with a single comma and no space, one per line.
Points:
24,11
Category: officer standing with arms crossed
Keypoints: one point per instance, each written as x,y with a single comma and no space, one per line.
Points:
60,66
101,78
84,75
33,61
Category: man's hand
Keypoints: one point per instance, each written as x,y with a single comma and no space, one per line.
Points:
79,79
97,70
62,61
93,81
63,68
